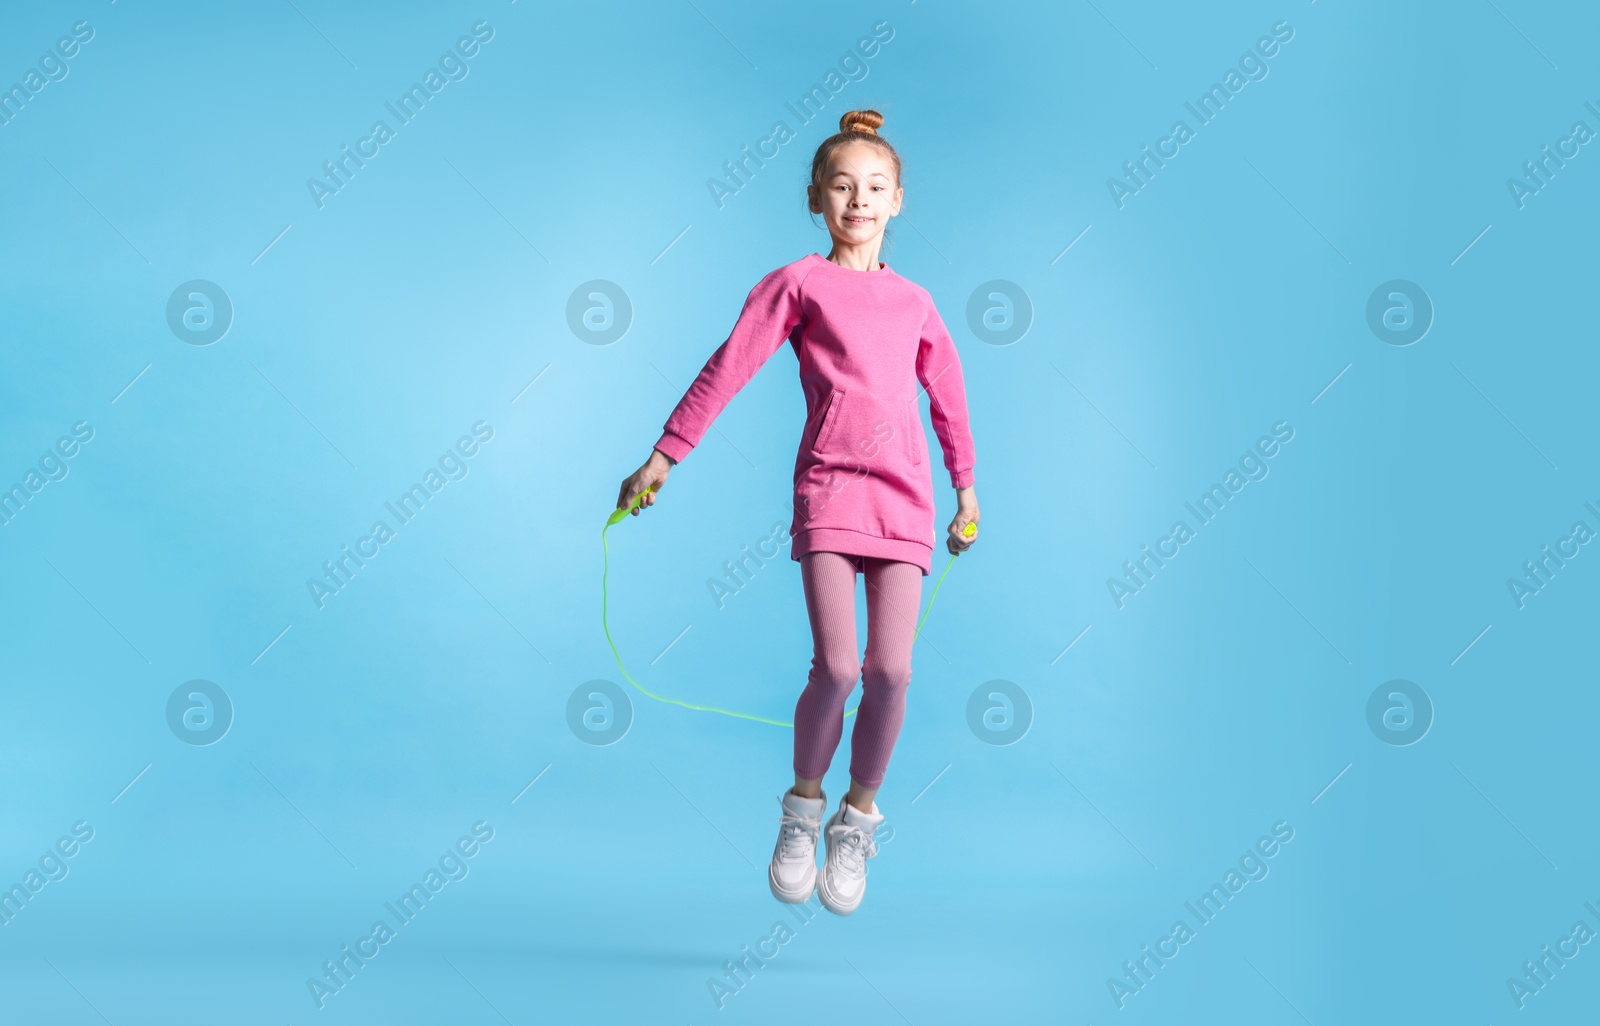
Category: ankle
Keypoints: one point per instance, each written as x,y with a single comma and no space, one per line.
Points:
807,787
862,799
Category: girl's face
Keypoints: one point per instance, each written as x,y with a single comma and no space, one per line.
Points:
858,195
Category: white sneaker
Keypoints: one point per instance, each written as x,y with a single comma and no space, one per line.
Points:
792,874
843,880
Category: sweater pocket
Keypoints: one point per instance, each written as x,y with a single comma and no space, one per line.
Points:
859,432
830,419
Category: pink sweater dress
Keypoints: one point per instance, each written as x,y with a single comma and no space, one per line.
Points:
862,481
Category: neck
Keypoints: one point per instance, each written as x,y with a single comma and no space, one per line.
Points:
862,257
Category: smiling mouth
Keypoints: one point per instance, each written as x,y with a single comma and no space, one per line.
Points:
857,220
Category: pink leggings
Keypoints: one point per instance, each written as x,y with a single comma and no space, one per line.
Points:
894,598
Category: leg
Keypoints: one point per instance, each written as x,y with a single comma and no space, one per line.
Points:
894,595
830,587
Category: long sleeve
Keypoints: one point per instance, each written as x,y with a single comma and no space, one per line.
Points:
771,311
939,370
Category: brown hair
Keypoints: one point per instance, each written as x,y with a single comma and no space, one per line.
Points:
855,126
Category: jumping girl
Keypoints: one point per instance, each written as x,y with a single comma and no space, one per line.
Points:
863,489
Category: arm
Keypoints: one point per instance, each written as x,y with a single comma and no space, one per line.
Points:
771,311
939,370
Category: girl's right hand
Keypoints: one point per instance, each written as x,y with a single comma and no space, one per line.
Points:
647,479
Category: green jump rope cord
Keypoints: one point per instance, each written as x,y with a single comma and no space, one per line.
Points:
970,530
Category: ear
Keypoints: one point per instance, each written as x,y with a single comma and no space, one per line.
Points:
811,199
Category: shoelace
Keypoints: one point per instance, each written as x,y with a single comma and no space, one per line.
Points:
854,846
792,829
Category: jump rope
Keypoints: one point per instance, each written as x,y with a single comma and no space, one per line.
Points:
970,530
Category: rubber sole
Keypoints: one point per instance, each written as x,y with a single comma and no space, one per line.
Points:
829,904
800,898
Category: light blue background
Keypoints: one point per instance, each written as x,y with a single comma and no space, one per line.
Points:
428,293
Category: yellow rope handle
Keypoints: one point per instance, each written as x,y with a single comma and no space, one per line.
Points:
616,517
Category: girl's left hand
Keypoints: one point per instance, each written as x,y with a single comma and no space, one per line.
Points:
957,541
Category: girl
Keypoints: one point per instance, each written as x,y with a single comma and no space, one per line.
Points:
863,496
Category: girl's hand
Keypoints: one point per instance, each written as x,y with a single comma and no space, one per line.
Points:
647,479
966,513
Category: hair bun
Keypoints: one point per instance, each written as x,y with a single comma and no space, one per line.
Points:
865,121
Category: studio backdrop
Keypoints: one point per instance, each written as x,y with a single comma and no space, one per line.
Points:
331,329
